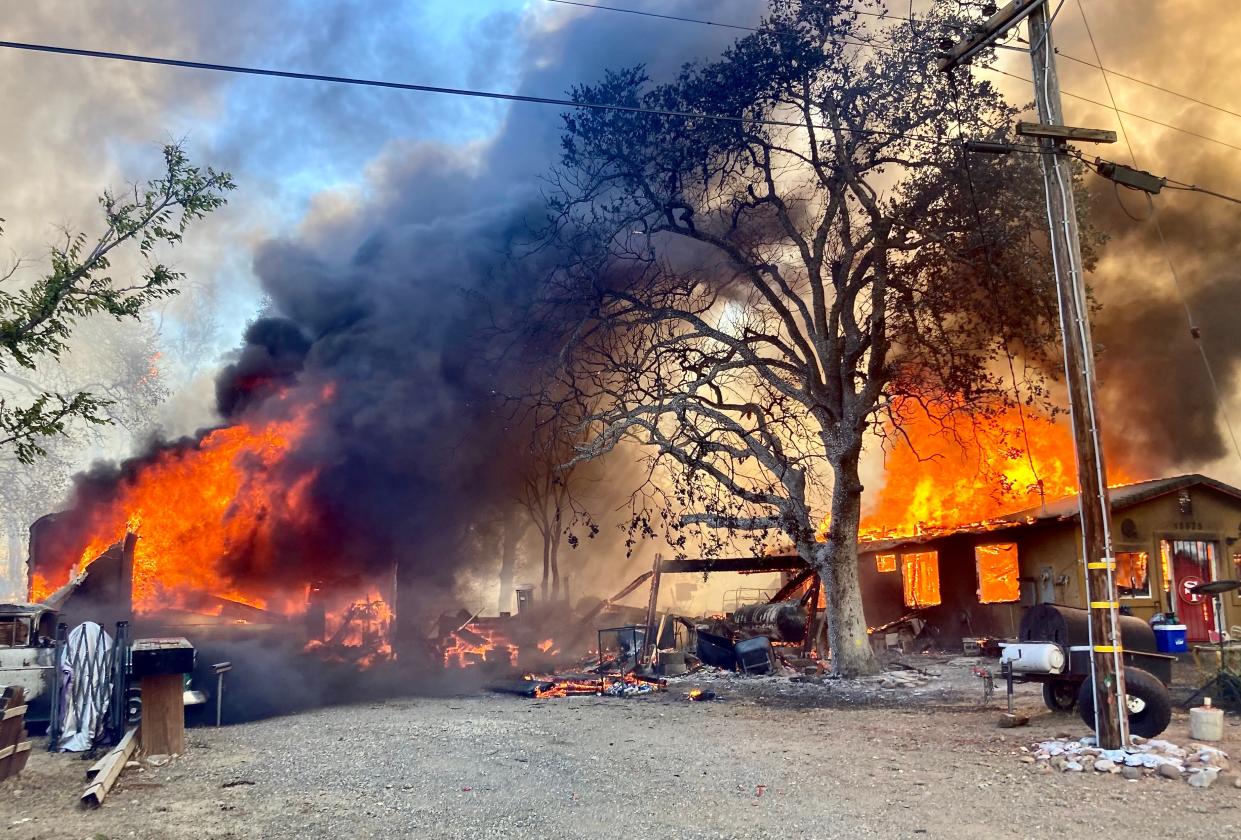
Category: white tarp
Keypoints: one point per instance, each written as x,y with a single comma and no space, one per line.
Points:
86,681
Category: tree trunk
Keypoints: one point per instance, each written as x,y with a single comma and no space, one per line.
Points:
547,563
837,564
16,575
555,554
508,561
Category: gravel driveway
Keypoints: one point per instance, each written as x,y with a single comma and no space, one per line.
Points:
658,766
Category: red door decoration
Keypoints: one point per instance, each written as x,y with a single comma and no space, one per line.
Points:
1193,563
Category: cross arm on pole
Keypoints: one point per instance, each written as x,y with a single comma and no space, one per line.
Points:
993,28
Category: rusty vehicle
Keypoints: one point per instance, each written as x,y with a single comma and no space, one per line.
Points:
28,655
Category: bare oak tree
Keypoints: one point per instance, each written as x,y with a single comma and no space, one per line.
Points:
748,297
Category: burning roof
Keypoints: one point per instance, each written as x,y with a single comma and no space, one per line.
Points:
1060,509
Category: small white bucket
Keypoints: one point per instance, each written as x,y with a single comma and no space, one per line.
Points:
1206,723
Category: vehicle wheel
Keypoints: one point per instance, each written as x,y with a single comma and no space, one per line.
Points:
133,707
1060,695
1150,705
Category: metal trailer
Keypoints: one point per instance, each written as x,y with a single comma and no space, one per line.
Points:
1053,649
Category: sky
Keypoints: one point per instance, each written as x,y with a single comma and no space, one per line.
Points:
327,166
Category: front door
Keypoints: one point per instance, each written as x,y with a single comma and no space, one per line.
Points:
1191,562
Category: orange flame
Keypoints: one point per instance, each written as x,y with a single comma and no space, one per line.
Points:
195,507
969,470
475,645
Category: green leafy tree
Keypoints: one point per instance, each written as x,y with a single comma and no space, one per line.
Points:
37,318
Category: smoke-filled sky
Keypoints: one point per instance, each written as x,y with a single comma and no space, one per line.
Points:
351,196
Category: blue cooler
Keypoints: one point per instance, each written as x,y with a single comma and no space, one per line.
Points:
1170,638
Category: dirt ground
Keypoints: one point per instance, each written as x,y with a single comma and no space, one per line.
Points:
771,759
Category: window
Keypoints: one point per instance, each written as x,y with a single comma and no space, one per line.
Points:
921,578
1133,574
997,573
885,562
14,632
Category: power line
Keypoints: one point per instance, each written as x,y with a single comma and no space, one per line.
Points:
1195,333
994,70
1121,75
932,140
1181,185
1119,110
680,19
1107,84
1169,183
702,21
895,17
990,275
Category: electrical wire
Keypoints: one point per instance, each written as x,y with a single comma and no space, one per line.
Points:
680,19
1180,185
1169,183
932,140
1054,172
911,19
1119,110
1135,79
1107,84
736,26
991,274
1195,332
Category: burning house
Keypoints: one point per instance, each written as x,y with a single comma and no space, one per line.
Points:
973,581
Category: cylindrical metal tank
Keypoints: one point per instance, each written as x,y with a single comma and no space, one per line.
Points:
784,621
1070,627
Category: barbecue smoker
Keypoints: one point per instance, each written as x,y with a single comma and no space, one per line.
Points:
1054,649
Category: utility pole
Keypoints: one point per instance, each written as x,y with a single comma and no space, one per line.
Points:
1107,665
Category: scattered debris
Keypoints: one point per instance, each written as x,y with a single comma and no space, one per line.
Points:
104,773
1009,720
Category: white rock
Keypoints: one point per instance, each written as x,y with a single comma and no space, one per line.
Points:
1203,778
1105,765
1073,767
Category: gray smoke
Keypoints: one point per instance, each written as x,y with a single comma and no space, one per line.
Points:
1159,407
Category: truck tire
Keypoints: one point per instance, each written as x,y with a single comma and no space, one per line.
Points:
1060,695
1150,705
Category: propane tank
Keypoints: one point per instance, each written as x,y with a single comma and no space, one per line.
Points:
1034,658
1206,723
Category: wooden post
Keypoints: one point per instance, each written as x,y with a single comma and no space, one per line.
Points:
1111,724
163,714
651,643
812,615
1107,661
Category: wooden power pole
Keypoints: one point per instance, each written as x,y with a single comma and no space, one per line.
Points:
1111,717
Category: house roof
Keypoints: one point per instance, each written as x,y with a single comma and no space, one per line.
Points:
1062,509
1125,496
